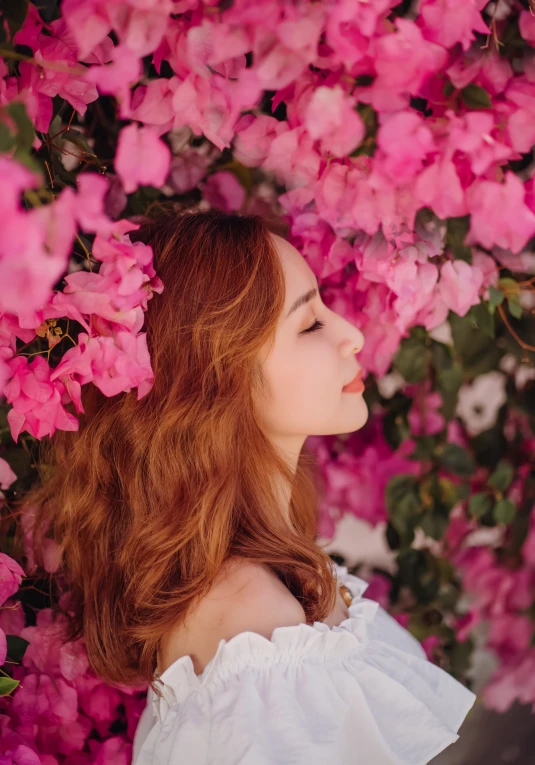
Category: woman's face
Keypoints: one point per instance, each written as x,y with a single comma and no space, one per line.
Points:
306,371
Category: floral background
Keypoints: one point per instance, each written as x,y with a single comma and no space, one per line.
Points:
396,139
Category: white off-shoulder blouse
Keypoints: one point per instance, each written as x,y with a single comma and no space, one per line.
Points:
360,693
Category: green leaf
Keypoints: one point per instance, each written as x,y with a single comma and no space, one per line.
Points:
395,427
448,382
417,569
411,360
495,298
478,352
515,308
483,319
29,161
476,97
7,685
398,488
504,511
457,460
460,658
463,491
441,355
434,524
368,115
25,129
403,502
16,647
397,541
418,627
479,504
425,446
7,139
456,232
502,476
509,286
78,138
447,496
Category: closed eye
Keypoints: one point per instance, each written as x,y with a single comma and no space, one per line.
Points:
314,328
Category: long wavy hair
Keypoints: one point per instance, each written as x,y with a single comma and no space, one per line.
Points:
149,498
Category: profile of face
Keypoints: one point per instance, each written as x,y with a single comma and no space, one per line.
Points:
306,369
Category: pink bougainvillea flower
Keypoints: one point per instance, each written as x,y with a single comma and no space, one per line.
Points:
142,159
414,286
36,399
224,191
34,246
513,682
398,74
526,24
20,754
213,106
43,696
438,186
499,214
451,21
118,293
88,23
510,635
424,417
459,285
66,77
331,117
7,476
405,141
472,134
215,44
520,95
139,26
117,76
528,548
254,136
10,577
152,104
114,364
90,203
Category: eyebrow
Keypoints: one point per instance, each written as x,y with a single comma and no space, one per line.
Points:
302,300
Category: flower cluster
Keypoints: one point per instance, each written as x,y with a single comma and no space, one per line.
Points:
397,141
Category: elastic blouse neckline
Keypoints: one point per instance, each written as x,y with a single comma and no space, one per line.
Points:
289,643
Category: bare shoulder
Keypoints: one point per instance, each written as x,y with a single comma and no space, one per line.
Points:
246,597
249,596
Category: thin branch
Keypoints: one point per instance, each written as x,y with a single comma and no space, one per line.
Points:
507,323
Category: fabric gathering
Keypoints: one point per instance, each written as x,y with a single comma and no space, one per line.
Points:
361,692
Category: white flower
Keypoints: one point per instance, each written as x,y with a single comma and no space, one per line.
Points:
442,333
390,384
480,401
522,372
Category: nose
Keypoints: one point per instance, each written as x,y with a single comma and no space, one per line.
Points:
354,341
359,341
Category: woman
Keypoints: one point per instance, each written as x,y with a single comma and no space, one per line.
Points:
187,521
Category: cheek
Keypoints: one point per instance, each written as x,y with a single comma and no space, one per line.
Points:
312,370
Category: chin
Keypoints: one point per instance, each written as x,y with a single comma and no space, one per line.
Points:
358,416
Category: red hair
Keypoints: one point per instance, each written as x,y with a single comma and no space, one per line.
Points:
149,498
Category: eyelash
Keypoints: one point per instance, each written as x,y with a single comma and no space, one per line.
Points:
314,328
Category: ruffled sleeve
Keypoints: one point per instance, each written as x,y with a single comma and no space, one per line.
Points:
362,692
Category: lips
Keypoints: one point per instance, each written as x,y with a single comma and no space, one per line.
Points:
356,385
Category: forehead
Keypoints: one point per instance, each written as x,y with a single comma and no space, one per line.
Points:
298,275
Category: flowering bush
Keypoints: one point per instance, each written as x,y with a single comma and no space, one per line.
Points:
397,140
